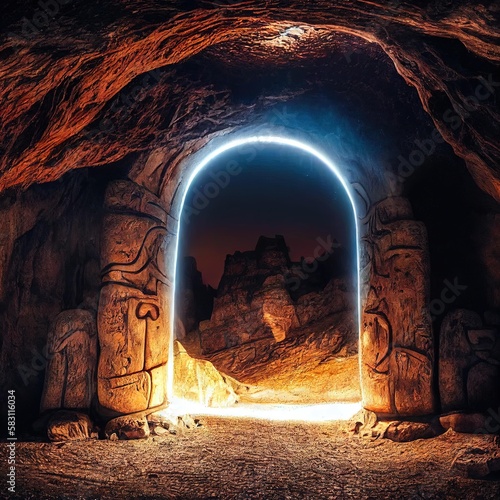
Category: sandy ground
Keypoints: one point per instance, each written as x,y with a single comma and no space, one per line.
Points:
231,458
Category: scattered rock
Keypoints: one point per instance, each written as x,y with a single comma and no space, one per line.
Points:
476,463
160,430
473,423
127,427
187,421
69,426
161,418
366,424
403,432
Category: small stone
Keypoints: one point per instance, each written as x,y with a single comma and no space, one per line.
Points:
187,421
472,423
69,426
403,432
127,427
160,431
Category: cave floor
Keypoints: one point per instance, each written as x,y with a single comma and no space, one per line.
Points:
229,458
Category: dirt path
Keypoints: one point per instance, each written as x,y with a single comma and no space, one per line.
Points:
247,459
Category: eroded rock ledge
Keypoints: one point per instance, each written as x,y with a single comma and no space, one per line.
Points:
59,79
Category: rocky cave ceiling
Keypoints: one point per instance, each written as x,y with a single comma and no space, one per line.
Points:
62,80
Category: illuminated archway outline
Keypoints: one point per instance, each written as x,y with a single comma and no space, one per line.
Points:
260,139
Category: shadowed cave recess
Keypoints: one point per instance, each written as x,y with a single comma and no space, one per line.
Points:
262,209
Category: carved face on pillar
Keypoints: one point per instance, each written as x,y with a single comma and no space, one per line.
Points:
134,309
396,340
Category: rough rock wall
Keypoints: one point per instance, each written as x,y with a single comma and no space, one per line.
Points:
58,81
488,234
62,84
50,262
469,361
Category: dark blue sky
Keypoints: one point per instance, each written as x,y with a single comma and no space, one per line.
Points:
262,190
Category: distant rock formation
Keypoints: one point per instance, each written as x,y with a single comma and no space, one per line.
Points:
195,299
263,294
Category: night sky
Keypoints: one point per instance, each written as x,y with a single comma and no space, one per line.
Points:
262,190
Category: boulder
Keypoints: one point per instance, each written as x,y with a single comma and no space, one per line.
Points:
69,426
403,432
200,381
470,423
476,463
127,427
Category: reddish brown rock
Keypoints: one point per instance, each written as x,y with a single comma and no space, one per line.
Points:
195,299
338,295
127,428
69,426
469,360
254,300
317,363
91,65
57,88
476,463
455,354
403,432
471,423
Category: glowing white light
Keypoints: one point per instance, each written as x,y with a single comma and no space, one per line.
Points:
277,412
266,139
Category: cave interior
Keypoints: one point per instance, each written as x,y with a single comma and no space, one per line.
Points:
251,206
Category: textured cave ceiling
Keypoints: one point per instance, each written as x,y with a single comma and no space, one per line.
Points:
61,81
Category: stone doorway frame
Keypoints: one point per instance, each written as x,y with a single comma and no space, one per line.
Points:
264,140
396,346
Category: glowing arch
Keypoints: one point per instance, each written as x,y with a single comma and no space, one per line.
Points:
261,139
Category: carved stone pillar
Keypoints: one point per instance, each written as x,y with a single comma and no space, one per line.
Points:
134,306
396,333
72,351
